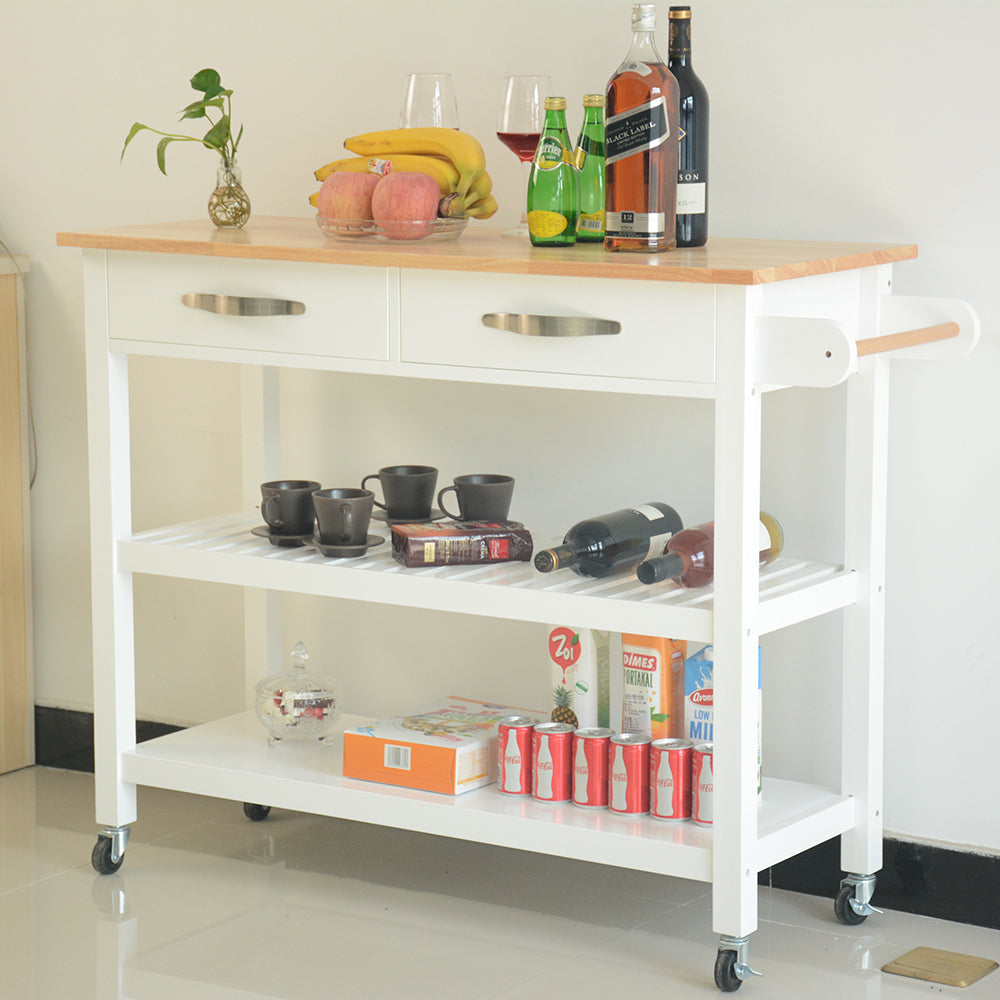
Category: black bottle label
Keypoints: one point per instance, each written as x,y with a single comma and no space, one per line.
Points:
637,130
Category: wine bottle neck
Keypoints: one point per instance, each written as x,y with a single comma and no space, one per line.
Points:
680,40
555,558
664,567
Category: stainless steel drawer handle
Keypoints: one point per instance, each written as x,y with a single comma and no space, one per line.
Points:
551,326
242,305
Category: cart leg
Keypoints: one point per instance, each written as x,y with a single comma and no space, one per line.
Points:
732,963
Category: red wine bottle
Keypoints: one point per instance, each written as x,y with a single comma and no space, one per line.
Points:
689,556
607,544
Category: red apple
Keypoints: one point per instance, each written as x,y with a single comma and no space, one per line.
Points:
405,203
347,195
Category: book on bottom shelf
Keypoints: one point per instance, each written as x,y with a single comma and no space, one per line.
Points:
450,747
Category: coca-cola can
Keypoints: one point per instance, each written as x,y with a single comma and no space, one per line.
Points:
628,774
702,783
552,761
514,754
590,767
670,779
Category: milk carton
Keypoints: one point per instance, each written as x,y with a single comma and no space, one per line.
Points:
653,685
699,700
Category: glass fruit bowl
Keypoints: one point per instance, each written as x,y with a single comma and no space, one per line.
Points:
396,232
298,706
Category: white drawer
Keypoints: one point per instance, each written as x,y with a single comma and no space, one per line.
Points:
667,329
346,308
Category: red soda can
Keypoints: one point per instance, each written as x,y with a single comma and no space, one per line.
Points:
702,783
670,779
628,773
552,761
590,767
514,754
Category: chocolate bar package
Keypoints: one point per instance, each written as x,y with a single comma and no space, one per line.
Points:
454,543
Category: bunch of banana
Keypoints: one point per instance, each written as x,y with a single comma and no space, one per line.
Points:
454,159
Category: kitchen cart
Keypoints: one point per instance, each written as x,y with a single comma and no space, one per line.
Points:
726,323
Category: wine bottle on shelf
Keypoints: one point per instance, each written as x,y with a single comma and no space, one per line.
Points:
692,166
641,146
589,156
607,544
553,187
689,556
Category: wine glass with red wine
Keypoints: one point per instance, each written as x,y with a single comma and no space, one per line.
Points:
519,124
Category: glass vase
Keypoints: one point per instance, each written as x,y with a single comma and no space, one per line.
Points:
229,205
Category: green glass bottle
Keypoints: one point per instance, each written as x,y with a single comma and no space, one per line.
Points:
553,188
589,155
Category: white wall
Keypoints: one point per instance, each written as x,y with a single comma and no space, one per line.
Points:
831,120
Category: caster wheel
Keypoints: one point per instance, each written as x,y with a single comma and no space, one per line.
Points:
100,857
725,972
255,812
846,913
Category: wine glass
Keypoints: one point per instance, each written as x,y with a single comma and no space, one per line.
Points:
519,124
429,99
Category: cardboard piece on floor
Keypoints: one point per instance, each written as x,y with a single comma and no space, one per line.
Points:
935,966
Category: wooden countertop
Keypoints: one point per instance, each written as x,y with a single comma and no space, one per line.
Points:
483,249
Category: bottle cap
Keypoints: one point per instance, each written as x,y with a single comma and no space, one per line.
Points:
679,13
643,16
593,100
555,103
661,568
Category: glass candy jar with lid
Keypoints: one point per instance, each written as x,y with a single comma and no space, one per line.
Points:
299,705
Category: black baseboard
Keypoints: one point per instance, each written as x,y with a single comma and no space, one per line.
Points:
66,739
915,878
931,881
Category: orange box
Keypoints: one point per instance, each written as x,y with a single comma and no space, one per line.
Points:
450,747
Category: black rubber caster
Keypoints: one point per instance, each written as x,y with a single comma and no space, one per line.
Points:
100,857
255,812
846,913
725,972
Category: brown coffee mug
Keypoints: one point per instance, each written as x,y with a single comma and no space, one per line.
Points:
481,497
408,491
286,505
343,515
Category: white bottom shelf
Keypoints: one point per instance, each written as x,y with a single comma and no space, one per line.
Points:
230,759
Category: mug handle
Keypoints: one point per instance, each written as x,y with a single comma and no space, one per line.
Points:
440,502
267,504
374,475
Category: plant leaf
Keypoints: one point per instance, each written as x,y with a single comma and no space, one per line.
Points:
218,135
161,154
133,132
197,109
208,81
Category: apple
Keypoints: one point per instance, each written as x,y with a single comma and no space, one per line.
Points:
405,203
347,195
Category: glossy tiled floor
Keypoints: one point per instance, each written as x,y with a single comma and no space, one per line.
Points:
209,906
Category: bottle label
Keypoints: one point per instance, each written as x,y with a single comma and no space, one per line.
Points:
551,153
637,130
658,544
590,222
635,223
690,196
579,157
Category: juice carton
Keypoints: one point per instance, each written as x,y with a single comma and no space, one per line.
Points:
580,665
699,700
450,747
653,685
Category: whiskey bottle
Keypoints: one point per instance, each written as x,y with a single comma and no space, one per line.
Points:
641,146
604,545
589,156
689,556
553,187
692,167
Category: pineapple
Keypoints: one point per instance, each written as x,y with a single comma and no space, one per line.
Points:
563,712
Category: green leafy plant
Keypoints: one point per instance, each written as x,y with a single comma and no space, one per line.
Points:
219,136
